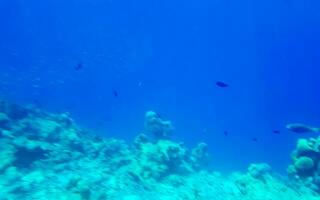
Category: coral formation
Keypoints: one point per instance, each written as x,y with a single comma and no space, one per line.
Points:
306,163
259,171
159,157
155,125
47,156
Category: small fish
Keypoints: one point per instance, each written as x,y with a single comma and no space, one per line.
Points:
302,128
115,93
222,84
254,139
78,67
276,131
158,115
225,133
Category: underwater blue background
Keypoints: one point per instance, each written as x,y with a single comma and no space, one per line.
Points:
166,56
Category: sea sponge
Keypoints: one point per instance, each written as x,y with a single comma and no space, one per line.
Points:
304,164
155,125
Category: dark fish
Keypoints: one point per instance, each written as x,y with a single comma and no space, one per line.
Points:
222,84
276,131
254,139
302,128
78,67
158,115
115,93
225,133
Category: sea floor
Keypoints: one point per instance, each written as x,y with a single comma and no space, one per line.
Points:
46,156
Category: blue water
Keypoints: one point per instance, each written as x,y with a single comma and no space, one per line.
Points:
166,56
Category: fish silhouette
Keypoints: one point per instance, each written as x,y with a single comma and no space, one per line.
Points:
302,128
78,67
115,93
222,84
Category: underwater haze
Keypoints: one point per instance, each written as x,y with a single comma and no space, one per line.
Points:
107,62
166,56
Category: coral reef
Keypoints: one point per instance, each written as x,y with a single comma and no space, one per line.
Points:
155,125
259,171
47,156
306,163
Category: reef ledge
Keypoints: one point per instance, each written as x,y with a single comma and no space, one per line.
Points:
47,156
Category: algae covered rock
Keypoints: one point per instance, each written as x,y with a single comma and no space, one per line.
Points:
156,126
200,156
140,140
156,159
159,159
259,171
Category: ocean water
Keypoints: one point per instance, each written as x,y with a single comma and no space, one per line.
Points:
107,62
